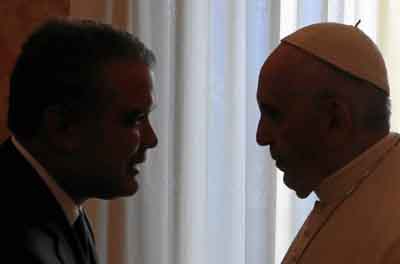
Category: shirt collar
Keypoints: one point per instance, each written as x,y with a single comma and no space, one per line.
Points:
70,208
343,181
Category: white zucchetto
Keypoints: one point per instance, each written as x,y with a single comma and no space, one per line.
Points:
345,47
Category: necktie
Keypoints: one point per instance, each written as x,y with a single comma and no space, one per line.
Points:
83,233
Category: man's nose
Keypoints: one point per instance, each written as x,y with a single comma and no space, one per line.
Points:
149,137
263,136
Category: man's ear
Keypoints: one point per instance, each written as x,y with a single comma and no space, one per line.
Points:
59,129
340,122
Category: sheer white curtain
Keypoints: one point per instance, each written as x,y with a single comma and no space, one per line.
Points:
208,193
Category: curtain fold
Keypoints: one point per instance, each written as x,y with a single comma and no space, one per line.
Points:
208,193
262,35
191,123
389,41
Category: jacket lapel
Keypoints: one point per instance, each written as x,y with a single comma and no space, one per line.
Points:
40,208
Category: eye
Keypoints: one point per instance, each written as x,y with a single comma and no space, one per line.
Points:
270,112
140,119
134,119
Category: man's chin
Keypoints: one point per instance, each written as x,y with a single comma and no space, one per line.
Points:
300,192
127,189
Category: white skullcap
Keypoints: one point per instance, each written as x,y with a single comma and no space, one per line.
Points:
345,47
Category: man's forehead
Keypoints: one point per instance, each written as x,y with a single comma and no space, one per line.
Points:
277,72
287,57
290,71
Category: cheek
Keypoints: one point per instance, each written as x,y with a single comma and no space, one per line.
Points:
295,137
135,139
121,142
128,141
303,141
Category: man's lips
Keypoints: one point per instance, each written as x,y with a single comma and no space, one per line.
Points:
278,162
134,171
279,165
134,162
140,160
137,158
132,166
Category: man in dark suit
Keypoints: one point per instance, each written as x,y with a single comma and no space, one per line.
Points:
80,98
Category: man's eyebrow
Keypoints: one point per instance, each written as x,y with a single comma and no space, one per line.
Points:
139,111
267,107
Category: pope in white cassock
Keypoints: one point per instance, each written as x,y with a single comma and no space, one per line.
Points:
324,100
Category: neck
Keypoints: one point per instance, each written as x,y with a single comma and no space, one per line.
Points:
354,147
54,163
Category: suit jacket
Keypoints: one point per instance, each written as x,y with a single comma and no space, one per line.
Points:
35,228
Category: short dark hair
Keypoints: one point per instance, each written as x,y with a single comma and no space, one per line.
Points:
61,64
